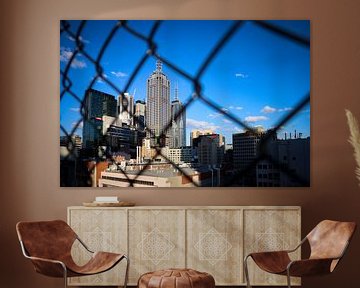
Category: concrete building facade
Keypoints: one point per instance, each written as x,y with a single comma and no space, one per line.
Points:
158,110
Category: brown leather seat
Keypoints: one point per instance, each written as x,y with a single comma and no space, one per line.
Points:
328,242
48,245
176,278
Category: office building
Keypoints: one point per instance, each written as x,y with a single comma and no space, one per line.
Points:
245,151
158,113
181,155
125,108
139,117
209,149
292,155
196,133
97,105
178,123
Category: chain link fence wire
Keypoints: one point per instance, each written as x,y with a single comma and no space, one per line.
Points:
67,30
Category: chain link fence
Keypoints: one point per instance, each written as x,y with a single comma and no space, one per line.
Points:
83,178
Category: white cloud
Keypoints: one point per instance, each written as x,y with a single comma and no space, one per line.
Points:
229,129
100,80
255,118
267,109
241,75
285,109
201,125
238,130
227,121
119,74
78,64
236,107
224,109
81,39
215,115
65,56
74,109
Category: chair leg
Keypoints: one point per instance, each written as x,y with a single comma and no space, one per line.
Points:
127,271
246,272
288,278
65,276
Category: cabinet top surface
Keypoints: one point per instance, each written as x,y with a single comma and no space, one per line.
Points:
192,207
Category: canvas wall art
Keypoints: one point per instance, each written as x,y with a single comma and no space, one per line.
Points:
180,103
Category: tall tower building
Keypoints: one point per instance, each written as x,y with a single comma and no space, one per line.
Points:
125,108
97,105
178,128
140,108
158,113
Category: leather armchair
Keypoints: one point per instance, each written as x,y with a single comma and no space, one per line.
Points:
328,242
48,245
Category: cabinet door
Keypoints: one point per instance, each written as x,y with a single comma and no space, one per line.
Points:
156,240
101,230
270,230
214,244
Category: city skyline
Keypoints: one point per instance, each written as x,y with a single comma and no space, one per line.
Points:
245,124
259,94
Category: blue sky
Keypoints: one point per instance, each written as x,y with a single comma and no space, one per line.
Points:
257,76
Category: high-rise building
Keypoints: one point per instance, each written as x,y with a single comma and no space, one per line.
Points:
158,114
293,155
210,149
125,108
139,117
245,148
196,133
178,125
245,151
97,105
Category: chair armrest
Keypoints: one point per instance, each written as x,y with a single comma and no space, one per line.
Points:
48,267
309,267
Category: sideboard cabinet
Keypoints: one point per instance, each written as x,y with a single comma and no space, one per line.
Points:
212,239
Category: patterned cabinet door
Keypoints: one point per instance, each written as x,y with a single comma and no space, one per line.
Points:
101,230
270,230
214,244
156,240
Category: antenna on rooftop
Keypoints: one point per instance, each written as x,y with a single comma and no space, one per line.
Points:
158,65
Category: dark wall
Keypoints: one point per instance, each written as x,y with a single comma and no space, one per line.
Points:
29,111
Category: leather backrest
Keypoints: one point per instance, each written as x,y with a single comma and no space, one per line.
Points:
329,238
46,239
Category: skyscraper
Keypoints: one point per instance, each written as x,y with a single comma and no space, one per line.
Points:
125,108
158,113
97,105
140,111
178,125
